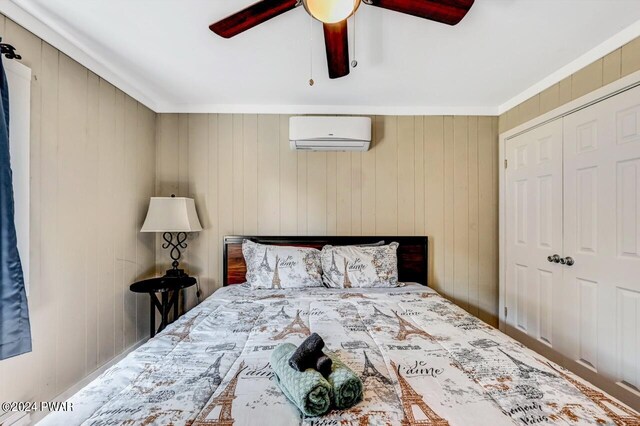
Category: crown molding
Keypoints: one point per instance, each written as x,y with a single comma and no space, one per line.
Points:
598,52
326,109
35,21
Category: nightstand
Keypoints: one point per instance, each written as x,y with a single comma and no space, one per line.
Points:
164,286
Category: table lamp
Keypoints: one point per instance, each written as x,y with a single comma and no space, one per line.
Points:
174,217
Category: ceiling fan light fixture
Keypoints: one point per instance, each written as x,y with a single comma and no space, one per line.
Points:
331,11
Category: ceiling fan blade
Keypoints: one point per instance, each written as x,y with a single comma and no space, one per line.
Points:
251,16
337,44
446,11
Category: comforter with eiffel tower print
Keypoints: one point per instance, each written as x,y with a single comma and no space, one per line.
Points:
423,361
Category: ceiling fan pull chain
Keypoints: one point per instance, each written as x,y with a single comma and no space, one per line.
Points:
311,82
354,63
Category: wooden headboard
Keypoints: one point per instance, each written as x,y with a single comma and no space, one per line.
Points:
413,253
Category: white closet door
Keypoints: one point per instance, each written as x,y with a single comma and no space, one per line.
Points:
534,231
601,327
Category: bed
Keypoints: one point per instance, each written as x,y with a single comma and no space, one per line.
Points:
423,360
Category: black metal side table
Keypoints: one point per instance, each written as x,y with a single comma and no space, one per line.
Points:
164,286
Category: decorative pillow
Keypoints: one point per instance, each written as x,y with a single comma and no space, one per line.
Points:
356,266
281,266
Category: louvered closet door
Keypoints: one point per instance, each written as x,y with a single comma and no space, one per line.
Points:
601,328
534,232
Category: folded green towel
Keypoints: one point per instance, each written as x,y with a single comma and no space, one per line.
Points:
347,386
308,390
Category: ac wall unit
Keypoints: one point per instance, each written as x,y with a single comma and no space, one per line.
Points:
316,133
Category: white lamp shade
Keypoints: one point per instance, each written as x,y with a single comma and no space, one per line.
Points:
171,214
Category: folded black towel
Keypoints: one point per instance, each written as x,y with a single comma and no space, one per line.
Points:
323,365
307,354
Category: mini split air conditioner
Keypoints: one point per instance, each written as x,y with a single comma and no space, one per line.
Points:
315,133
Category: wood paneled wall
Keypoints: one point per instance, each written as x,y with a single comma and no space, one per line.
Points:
92,173
612,67
434,176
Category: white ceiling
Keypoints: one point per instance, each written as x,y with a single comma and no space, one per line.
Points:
162,52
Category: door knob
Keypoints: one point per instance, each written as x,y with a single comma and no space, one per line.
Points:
568,261
554,259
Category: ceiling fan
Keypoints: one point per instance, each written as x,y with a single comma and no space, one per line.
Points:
333,14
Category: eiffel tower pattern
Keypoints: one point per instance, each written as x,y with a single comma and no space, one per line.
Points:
265,262
624,416
281,314
410,398
225,401
183,330
297,326
275,283
378,313
526,371
371,372
140,383
347,281
334,268
407,329
212,374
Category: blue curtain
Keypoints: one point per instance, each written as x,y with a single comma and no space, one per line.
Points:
15,332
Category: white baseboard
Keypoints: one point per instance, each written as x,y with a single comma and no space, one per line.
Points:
15,419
